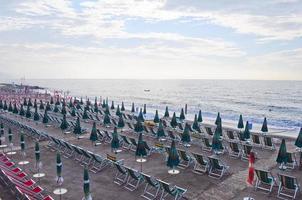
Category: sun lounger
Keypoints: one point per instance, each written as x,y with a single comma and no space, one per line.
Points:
234,150
291,160
246,150
256,140
133,180
152,187
207,145
201,165
126,143
288,186
121,175
217,167
264,180
268,143
230,135
176,192
134,144
208,130
185,159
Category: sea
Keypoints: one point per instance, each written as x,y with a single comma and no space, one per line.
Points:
279,101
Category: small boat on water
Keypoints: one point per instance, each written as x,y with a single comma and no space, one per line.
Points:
146,90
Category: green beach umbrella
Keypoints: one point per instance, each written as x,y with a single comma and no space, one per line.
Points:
240,124
195,124
185,136
173,157
173,122
35,104
28,113
86,185
199,118
85,115
29,102
145,109
115,142
118,111
64,123
63,111
264,128
104,105
5,106
123,107
45,117
132,108
216,142
1,104
93,135
167,112
107,111
141,146
246,133
10,136
59,166
10,107
70,103
138,127
77,129
112,105
48,108
22,142
15,110
24,102
73,111
96,108
282,154
182,115
120,123
36,115
156,117
160,131
56,109
141,116
41,105
57,102
78,106
51,100
37,155
218,119
106,120
298,142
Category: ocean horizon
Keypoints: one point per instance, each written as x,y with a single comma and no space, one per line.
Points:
279,101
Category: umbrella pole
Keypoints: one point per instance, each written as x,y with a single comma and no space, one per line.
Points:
141,163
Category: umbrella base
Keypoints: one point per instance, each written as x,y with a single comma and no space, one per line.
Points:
173,171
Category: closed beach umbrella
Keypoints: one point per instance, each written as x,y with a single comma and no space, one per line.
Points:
185,136
115,142
264,128
199,118
104,104
64,124
22,144
107,111
96,108
57,102
282,154
77,129
36,115
56,109
156,117
5,106
86,185
246,133
48,108
1,104
218,119
132,108
195,125
73,111
85,115
10,107
28,113
298,142
120,123
118,111
141,116
37,155
106,120
35,104
173,157
51,100
240,124
2,129
15,110
145,109
59,169
93,135
138,127
167,112
41,105
10,136
29,102
22,112
141,146
45,117
182,114
173,122
123,107
112,105
216,141
63,111
160,131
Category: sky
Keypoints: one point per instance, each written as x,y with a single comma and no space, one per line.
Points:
151,39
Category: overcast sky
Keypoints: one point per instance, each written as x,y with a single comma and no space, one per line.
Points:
222,39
